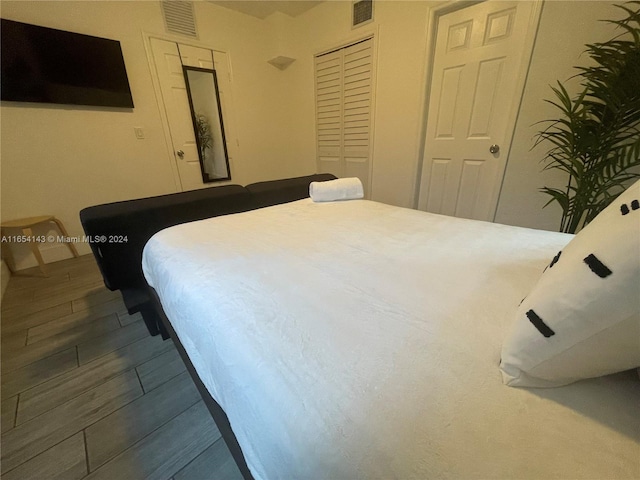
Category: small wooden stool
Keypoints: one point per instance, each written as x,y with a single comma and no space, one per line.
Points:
25,225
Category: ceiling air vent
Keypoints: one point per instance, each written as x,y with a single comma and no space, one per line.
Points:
179,17
362,12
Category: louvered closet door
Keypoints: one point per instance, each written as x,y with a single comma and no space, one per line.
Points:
329,113
344,84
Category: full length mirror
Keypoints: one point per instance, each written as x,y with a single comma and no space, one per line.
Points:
206,113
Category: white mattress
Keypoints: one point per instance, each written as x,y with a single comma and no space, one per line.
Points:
354,340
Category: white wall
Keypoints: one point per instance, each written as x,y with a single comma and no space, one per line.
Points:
59,159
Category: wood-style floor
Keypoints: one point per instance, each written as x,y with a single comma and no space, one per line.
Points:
88,393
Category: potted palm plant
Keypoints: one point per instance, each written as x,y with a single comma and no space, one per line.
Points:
596,140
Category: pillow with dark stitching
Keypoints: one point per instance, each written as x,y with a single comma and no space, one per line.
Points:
582,319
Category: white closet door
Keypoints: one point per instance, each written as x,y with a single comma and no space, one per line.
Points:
329,113
344,86
356,113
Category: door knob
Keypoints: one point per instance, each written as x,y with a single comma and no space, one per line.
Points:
180,153
494,148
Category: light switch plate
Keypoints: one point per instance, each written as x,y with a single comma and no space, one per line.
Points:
139,133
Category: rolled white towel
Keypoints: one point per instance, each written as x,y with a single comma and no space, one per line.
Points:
339,189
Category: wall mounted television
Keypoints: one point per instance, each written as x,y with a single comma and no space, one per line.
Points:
45,65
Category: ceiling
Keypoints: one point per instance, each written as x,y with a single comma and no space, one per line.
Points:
264,8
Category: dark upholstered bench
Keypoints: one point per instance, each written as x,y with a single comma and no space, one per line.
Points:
120,262
275,192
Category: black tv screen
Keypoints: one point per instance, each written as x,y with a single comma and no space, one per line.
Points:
45,65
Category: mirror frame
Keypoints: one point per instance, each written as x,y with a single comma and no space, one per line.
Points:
205,176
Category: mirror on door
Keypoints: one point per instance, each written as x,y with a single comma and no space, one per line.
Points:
206,113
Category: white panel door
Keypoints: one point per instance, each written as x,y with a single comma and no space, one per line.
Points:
169,57
195,57
168,65
475,88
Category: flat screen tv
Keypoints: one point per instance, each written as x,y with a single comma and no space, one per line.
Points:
45,65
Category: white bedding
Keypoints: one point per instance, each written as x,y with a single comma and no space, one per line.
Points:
354,340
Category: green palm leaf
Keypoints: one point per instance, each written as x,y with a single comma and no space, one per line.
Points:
596,139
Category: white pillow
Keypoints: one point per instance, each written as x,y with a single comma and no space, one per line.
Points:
582,319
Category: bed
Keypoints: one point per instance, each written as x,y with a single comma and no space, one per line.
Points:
354,339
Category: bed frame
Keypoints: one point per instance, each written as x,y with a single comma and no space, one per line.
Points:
219,416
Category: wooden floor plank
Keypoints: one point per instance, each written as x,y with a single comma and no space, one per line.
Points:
126,319
38,372
22,319
23,282
66,460
8,408
165,451
89,351
215,463
84,292
90,334
159,370
25,441
71,289
80,291
16,298
30,308
113,304
81,270
83,265
49,395
74,324
123,428
93,299
14,340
